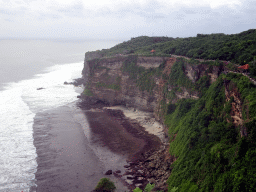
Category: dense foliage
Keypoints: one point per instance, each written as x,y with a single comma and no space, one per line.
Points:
211,154
133,45
177,76
237,48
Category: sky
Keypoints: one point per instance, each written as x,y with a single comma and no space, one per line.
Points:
115,19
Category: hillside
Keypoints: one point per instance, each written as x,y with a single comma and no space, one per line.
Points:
237,48
209,111
133,45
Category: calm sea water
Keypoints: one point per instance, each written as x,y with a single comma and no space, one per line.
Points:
26,65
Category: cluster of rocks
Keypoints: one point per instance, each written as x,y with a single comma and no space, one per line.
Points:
154,169
76,82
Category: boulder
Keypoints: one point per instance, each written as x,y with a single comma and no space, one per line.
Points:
129,181
109,172
151,165
130,177
152,181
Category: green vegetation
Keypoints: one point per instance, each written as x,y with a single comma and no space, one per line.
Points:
87,91
105,185
114,86
109,86
130,66
133,45
211,154
237,48
146,81
177,76
94,64
148,188
144,78
252,68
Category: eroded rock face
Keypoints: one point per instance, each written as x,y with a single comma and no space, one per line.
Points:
195,72
153,62
115,87
231,91
109,84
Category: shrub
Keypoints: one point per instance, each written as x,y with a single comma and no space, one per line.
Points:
148,188
105,185
137,190
87,92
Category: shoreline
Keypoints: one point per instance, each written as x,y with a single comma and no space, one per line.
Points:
66,160
138,127
145,119
106,139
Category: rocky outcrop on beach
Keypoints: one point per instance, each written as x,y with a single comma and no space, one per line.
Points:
76,82
154,168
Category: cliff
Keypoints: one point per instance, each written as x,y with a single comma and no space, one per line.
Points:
143,82
207,110
206,106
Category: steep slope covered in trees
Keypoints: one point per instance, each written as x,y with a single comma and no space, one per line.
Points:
212,151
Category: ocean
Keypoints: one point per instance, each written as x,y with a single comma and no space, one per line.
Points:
26,66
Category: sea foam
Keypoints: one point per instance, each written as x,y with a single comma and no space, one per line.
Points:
19,103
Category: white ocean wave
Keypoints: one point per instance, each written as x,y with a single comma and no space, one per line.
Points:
19,102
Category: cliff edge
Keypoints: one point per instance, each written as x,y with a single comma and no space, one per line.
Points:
142,82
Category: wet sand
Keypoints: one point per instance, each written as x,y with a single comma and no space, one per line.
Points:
145,119
120,134
66,161
76,147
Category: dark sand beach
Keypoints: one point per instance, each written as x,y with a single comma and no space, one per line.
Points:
74,154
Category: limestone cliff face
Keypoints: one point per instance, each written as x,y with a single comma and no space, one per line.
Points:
110,84
106,81
194,72
232,94
148,62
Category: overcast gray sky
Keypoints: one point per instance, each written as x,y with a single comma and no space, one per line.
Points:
124,19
